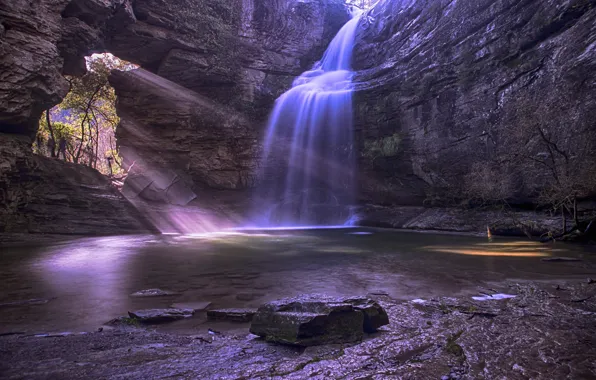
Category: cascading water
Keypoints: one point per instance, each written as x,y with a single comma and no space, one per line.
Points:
308,164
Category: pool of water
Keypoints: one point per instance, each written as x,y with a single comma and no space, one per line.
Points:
89,281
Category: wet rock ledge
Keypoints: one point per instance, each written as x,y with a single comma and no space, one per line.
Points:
545,332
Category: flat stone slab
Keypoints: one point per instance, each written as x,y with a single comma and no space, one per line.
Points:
233,315
313,320
153,293
196,306
160,315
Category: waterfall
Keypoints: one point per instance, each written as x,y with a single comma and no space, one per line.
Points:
308,162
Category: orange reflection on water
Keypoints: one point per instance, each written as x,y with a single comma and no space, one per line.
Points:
474,252
504,249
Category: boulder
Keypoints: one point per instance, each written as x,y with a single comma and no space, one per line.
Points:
153,293
160,315
374,315
232,315
311,320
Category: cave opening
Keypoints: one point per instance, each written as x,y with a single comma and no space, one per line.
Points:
81,129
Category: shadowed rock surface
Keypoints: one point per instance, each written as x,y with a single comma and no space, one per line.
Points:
160,315
40,41
194,121
465,99
542,333
240,54
179,140
233,315
50,196
316,320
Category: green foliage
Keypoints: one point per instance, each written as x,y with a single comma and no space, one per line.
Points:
444,308
87,117
130,321
452,347
384,147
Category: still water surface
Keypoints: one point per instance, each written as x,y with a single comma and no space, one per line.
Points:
89,281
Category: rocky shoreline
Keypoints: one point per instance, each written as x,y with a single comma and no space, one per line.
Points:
546,331
501,222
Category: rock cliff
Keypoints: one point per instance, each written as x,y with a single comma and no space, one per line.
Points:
50,196
476,100
39,42
191,116
42,40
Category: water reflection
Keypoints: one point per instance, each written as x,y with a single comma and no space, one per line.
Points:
502,249
90,280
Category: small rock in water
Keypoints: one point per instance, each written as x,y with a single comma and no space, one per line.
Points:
153,293
160,315
311,320
498,296
233,315
59,335
196,306
25,302
556,259
378,293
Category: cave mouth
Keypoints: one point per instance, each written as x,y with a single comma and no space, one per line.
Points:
81,129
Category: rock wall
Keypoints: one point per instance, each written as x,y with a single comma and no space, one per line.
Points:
177,141
486,100
39,42
192,119
50,196
456,99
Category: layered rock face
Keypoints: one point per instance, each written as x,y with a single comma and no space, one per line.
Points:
476,99
50,196
175,138
193,118
39,42
190,119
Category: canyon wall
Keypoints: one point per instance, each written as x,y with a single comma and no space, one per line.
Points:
191,116
40,41
477,101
